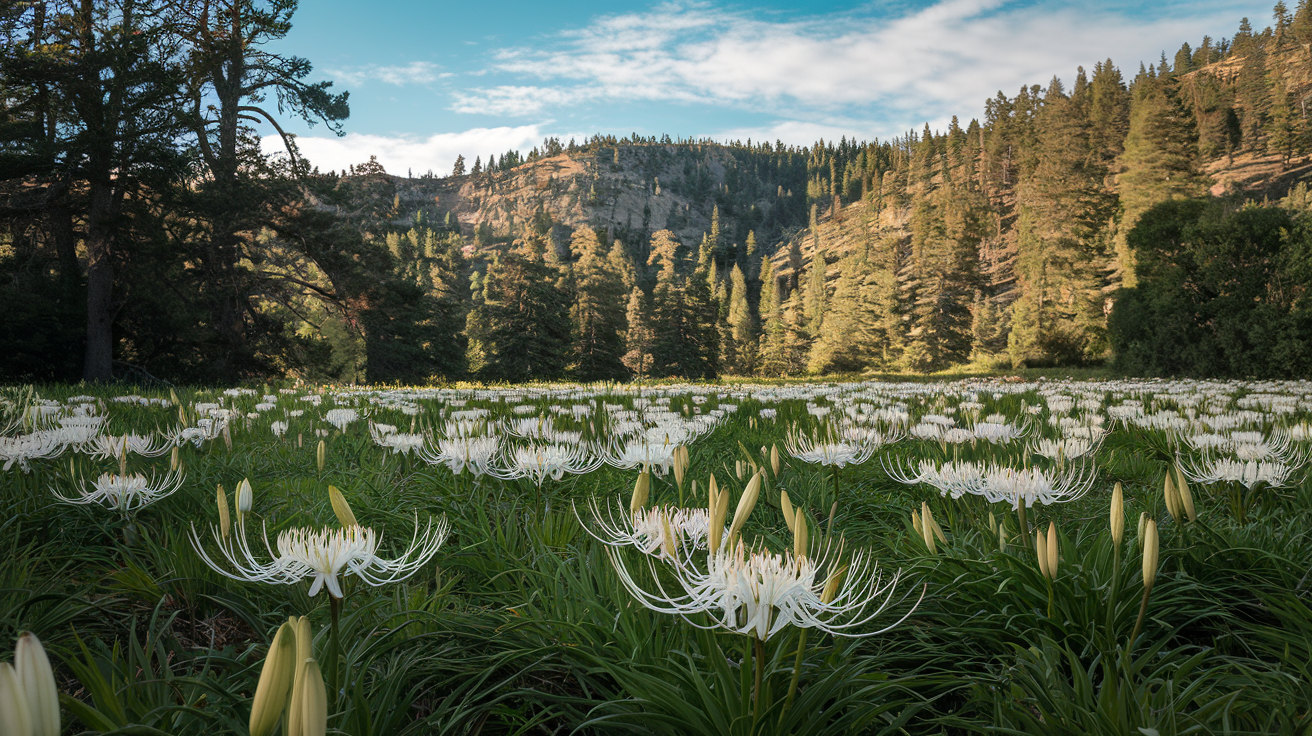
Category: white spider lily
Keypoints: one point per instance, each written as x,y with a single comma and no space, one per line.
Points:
458,453
1064,449
638,452
325,556
1000,484
663,532
998,433
341,418
400,443
759,593
537,462
840,453
1248,473
39,445
124,493
107,446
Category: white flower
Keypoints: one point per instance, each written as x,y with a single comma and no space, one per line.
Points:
124,493
278,428
458,453
537,462
841,453
340,418
107,446
1000,484
636,452
663,532
325,555
1247,473
759,593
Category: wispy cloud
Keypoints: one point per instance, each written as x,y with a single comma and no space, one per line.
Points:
416,72
399,154
893,72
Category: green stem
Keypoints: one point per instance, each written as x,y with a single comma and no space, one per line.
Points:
1049,598
797,673
334,645
760,675
1024,524
1138,624
1114,593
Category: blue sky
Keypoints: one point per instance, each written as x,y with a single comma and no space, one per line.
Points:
431,80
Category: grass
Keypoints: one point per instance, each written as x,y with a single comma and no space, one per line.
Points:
521,625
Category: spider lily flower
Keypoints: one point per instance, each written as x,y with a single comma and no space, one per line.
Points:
1064,449
124,493
458,453
341,418
759,593
40,445
997,433
105,446
631,453
537,462
667,533
814,449
325,556
999,484
1250,473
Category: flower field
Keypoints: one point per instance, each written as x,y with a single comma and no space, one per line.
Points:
862,558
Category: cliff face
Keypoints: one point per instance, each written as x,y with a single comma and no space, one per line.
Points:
627,193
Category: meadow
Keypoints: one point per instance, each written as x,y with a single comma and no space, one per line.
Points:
931,557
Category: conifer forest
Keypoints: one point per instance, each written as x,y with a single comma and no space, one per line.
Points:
1001,428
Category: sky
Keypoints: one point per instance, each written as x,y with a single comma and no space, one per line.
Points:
429,81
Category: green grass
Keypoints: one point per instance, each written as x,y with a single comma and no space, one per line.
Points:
520,624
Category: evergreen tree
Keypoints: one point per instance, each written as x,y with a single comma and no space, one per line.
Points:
834,349
742,326
816,298
595,316
459,168
527,318
639,336
1159,162
772,359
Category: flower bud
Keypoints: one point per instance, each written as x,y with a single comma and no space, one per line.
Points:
774,459
32,668
307,714
173,459
15,715
1150,554
832,584
225,522
786,504
320,455
1186,497
340,507
275,684
746,503
927,528
1118,514
801,535
1041,550
1143,519
245,498
1172,497
1052,549
680,464
641,489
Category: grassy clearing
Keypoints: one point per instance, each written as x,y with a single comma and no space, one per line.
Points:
521,625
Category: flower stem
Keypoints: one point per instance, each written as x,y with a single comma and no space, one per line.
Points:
1113,593
1024,524
797,672
760,674
1138,624
334,644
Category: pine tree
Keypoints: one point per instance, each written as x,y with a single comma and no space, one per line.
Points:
639,336
459,168
1159,162
834,349
595,316
527,318
742,326
772,359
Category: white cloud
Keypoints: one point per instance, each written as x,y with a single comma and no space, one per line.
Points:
892,72
416,72
399,154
